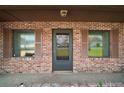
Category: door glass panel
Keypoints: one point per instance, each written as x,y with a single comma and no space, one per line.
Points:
62,46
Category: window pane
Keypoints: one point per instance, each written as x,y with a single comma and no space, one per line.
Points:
95,44
27,41
98,44
24,43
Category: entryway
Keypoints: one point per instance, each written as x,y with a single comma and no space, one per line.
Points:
62,50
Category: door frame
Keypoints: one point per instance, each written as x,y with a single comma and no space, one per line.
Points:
53,40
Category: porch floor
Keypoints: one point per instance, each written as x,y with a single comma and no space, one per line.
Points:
62,79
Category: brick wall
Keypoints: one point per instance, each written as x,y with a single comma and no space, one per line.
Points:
1,47
1,42
43,62
121,47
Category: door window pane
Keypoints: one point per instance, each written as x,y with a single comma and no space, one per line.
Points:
62,46
23,43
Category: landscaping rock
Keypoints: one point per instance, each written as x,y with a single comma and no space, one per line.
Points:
46,85
36,85
55,85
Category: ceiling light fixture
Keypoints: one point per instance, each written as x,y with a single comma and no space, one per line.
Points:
63,13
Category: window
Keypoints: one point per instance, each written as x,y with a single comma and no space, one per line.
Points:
23,43
98,44
62,43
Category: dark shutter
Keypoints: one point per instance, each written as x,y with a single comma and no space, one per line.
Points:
38,42
106,40
85,43
16,44
114,40
7,43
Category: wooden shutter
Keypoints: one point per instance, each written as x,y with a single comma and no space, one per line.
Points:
38,42
114,40
16,43
106,40
85,43
7,43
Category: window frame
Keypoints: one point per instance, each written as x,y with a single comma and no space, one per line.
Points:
102,43
22,31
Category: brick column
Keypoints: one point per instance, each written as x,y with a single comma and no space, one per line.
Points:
1,47
121,46
76,49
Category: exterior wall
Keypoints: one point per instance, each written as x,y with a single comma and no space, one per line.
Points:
1,42
43,62
121,47
1,47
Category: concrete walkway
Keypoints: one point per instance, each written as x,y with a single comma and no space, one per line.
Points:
61,79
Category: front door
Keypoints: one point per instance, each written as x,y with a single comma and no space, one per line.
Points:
62,50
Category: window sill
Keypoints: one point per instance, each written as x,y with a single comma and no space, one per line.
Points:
99,58
23,58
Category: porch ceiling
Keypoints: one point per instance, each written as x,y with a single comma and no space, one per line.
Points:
52,13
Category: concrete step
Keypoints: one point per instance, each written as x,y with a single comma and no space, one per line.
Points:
62,72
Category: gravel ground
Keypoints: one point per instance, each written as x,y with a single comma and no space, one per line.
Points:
62,80
73,85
